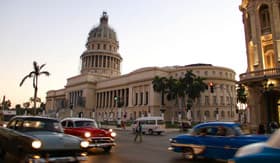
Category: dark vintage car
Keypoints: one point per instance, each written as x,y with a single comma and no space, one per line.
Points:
262,152
215,140
40,139
87,129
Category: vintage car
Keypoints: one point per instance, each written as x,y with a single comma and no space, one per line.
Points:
40,139
87,129
215,140
268,151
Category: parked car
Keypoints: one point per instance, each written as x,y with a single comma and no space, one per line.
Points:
150,125
215,140
268,151
40,139
87,129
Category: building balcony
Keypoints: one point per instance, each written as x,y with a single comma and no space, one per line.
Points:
254,76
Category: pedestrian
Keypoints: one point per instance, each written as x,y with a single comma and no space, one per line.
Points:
273,126
138,133
261,129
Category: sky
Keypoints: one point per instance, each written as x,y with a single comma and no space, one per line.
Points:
150,33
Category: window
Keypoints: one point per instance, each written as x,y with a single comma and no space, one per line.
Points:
136,98
147,98
215,101
141,98
264,19
222,100
207,100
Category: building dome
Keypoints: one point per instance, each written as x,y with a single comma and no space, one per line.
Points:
103,31
101,57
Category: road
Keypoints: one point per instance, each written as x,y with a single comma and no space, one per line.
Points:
153,149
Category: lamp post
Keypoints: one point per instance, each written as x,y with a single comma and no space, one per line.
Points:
267,88
242,112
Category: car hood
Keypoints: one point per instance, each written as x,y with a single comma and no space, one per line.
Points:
56,140
250,149
95,132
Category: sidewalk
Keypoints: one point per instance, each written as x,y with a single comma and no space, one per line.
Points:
129,128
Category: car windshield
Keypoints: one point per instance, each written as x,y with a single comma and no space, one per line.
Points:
41,125
86,124
274,140
238,130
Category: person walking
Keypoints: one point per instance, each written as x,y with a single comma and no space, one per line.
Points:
138,130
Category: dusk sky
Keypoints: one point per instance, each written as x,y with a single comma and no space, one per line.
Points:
150,33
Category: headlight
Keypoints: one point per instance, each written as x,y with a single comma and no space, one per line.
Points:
84,144
113,134
36,144
110,130
230,161
87,134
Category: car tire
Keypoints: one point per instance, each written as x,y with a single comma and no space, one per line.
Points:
2,153
188,153
107,149
158,133
151,132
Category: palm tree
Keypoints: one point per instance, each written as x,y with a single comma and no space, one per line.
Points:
37,71
195,85
159,85
176,91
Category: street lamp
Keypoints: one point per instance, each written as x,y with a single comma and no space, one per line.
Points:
242,112
267,88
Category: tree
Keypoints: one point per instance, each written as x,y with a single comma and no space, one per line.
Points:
194,87
37,71
176,91
159,85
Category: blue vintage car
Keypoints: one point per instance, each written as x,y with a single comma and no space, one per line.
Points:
268,151
215,140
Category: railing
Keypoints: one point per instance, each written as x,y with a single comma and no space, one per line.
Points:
273,72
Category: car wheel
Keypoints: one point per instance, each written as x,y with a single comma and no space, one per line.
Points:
107,149
188,153
158,133
150,131
2,153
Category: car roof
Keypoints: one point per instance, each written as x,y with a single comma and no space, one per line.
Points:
33,117
77,119
218,123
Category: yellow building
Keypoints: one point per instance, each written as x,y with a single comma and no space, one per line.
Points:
261,20
92,92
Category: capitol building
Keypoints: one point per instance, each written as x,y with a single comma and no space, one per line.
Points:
92,92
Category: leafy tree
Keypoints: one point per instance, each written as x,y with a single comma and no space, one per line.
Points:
37,71
159,85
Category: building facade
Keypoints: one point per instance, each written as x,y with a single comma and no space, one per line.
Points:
261,20
92,93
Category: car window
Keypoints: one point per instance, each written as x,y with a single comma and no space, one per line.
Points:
85,124
63,123
70,124
39,125
160,122
151,122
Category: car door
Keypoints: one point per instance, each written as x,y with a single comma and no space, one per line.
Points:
216,145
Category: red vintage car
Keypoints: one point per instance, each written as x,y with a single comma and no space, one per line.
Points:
88,129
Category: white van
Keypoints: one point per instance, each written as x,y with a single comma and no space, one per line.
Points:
150,125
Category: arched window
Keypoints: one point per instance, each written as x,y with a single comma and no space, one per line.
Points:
264,19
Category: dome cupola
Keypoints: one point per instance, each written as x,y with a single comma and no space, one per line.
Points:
101,56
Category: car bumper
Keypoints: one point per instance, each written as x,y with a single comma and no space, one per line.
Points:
57,159
101,145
